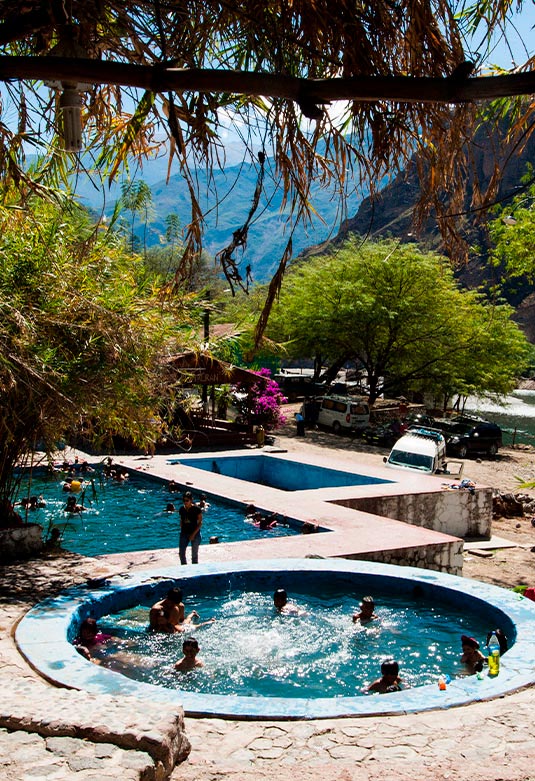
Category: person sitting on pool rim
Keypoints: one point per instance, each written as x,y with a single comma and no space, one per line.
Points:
389,680
190,529
366,614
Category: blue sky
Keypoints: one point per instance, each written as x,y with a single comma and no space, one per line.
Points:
520,44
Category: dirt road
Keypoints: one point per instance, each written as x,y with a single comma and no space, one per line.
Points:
506,567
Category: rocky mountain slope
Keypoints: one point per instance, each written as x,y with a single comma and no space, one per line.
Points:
391,214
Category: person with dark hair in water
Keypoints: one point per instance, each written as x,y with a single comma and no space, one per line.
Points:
366,613
72,505
471,656
280,600
89,637
168,615
389,680
190,649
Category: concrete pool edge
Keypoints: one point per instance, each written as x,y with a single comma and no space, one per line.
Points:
58,661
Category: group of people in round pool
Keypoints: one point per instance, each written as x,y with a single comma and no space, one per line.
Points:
471,656
168,615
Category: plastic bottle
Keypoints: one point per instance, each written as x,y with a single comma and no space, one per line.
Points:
493,646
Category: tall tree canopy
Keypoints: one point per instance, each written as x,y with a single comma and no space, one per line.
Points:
398,313
174,74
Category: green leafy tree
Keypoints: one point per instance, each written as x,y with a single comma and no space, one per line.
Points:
81,330
512,234
397,312
136,198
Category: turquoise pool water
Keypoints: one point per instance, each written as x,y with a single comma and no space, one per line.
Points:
130,516
476,606
252,651
281,473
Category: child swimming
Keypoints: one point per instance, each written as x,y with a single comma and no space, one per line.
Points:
190,649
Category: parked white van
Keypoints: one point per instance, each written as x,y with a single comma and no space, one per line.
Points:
420,449
343,412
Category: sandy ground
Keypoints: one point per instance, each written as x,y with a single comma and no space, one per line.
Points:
506,567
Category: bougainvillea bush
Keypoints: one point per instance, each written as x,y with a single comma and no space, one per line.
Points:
264,401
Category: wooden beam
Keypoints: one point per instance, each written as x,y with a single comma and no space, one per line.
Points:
158,78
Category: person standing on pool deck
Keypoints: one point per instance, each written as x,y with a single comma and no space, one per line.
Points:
190,529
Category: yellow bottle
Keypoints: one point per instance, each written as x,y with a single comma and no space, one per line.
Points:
494,661
493,646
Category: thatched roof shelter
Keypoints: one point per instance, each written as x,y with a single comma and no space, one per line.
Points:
193,368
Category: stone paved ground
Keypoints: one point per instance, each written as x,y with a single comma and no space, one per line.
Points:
29,757
485,741
489,741
48,733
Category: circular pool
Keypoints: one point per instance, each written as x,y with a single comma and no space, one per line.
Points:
46,633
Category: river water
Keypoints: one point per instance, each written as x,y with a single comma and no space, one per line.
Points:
516,416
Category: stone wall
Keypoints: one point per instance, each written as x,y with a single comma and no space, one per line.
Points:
443,557
461,513
20,542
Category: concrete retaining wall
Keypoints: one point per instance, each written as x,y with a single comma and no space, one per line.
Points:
460,513
441,558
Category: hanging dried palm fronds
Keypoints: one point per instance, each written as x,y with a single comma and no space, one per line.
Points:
345,93
225,257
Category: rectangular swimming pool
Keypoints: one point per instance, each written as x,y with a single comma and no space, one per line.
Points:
120,517
280,473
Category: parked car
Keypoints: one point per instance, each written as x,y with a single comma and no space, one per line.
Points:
465,436
419,419
421,450
384,434
344,412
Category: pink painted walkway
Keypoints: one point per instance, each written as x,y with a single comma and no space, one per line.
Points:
353,533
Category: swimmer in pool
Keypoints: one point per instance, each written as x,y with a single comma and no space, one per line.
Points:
471,657
280,600
203,503
366,611
190,649
90,638
389,680
72,506
168,615
264,522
